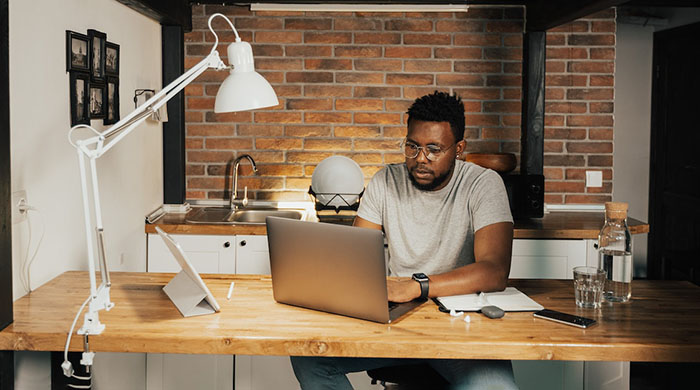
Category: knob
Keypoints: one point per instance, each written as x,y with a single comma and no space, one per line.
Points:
243,243
227,244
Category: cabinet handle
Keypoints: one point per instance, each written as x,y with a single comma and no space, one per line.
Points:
227,244
243,243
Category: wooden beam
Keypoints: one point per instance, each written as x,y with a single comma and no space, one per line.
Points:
545,14
174,129
5,182
532,134
167,12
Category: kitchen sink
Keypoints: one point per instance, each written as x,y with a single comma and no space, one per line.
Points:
247,216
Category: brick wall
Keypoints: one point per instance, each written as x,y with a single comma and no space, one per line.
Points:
345,80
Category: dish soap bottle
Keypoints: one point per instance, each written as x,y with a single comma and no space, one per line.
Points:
615,253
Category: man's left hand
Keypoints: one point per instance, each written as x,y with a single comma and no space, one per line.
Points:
403,290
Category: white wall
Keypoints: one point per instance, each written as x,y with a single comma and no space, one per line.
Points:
46,166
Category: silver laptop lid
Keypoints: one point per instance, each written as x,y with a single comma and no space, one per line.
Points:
333,268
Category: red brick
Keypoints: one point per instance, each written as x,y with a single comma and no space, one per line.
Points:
327,90
375,118
553,199
226,37
259,23
602,81
580,173
406,52
392,65
258,183
308,24
511,120
278,37
566,80
460,53
358,51
553,146
603,26
564,186
500,133
327,117
210,130
272,77
505,26
307,157
194,143
512,93
193,116
327,64
408,25
477,67
480,40
427,39
505,53
398,105
470,106
553,120
481,120
194,90
260,130
229,143
590,94
307,131
555,66
267,51
278,64
359,78
355,23
393,158
584,199
210,182
394,131
567,53
194,170
297,183
589,147
603,53
591,40
280,170
554,39
602,107
553,173
200,103
500,81
307,51
237,117
357,131
359,104
483,147
208,156
267,156
309,104
600,134
502,106
604,14
195,195
230,12
564,133
409,79
513,40
590,120
554,160
479,93
606,188
376,38
327,144
554,94
591,67
459,26
278,117
194,37
565,107
426,66
327,37
309,77
278,143
575,26
376,92
379,145
600,161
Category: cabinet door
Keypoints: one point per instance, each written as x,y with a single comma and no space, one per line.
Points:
252,255
546,259
208,254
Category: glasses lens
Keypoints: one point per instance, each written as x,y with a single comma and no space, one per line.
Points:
410,150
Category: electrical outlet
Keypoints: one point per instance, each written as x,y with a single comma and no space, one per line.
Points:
17,198
594,178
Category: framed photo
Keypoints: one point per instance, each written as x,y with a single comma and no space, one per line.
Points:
97,55
79,85
111,59
77,52
112,98
97,106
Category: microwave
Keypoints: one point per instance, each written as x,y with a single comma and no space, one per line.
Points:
525,195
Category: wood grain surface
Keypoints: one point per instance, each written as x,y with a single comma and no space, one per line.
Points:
562,225
660,323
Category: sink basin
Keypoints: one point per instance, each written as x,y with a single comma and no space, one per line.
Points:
248,216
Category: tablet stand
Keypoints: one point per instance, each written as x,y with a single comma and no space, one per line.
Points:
187,296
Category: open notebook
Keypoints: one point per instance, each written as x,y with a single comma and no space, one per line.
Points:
511,299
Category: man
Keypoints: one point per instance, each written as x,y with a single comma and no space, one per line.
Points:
444,218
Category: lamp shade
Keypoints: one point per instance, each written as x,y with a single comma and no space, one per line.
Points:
244,88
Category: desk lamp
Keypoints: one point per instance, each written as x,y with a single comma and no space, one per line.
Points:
243,89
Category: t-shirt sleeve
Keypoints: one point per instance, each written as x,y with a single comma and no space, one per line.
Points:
489,201
372,202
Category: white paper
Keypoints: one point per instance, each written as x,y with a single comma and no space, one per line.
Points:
511,299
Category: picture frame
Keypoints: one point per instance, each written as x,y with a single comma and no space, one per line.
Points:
112,101
97,106
97,55
111,59
77,51
79,86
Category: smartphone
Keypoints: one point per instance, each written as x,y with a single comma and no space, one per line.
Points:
564,318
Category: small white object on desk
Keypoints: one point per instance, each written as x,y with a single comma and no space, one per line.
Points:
230,290
455,313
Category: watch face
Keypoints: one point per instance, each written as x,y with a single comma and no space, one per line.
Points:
420,276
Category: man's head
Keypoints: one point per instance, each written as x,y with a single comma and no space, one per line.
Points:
434,139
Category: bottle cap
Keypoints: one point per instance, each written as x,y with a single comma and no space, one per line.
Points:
616,209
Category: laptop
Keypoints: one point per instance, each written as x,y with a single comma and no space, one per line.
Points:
333,268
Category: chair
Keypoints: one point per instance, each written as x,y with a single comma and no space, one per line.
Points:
408,377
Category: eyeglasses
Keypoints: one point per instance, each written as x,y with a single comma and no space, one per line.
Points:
431,152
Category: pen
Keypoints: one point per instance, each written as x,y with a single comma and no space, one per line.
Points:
230,290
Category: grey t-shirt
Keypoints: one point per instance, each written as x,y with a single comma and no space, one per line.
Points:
433,231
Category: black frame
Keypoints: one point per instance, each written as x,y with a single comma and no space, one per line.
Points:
97,65
113,101
109,71
75,118
102,113
70,37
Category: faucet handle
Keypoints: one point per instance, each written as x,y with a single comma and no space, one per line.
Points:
245,196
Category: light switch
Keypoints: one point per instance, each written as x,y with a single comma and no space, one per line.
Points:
594,178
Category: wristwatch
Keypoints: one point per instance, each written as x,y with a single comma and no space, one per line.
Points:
423,280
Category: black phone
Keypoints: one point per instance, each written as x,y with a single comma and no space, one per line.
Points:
564,318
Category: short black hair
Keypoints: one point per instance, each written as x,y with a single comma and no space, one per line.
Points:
440,107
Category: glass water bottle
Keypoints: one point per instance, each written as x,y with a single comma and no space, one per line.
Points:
615,253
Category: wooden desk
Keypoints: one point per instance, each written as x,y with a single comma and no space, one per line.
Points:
661,323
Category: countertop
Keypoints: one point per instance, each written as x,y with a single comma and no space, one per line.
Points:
554,225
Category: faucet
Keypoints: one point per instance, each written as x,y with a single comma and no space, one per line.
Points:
235,203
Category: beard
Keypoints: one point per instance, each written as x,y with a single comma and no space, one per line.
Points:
437,181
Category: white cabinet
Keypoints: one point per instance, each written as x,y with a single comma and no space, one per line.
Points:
208,254
546,259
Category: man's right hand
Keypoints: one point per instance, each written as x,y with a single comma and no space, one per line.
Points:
403,290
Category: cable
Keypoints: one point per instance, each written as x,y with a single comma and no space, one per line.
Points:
25,273
67,365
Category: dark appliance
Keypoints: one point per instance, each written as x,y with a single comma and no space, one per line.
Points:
525,195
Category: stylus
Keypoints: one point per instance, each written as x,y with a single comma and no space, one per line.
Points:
230,290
